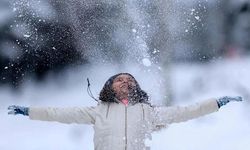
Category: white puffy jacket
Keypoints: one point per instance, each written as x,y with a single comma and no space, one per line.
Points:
120,127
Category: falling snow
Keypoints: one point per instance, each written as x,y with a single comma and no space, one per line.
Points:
197,17
146,62
43,35
26,35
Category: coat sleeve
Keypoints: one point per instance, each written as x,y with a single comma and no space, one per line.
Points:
175,114
79,115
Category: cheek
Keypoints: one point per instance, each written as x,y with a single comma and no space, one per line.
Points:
114,87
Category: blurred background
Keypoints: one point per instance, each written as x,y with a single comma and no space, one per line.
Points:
180,51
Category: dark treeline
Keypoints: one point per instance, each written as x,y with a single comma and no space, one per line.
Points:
51,48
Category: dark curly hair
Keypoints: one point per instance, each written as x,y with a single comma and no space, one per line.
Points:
107,94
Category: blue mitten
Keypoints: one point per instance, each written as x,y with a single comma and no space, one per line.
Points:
14,110
226,99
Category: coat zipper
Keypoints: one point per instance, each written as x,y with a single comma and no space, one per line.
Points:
143,114
126,140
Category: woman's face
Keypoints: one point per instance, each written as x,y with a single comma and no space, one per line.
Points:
122,85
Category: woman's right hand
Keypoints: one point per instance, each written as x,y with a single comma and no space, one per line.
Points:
15,110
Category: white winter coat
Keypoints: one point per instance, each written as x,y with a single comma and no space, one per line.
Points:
120,127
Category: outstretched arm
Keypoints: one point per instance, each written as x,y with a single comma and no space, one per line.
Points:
167,115
84,115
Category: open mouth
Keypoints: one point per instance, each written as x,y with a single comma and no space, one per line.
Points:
124,85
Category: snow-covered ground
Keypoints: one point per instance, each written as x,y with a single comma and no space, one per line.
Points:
228,129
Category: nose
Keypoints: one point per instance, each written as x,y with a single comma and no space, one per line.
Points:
125,80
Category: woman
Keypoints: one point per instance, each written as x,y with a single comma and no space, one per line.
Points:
124,118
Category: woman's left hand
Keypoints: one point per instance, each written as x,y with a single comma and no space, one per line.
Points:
226,99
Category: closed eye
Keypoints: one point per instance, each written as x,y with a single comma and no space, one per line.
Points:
118,80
